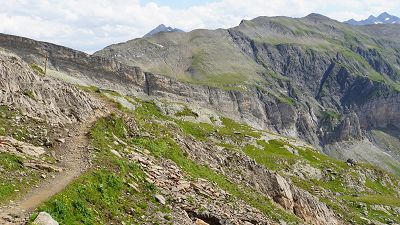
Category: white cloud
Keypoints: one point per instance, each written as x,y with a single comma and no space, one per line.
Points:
90,25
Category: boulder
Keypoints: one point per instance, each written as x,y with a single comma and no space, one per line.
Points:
44,219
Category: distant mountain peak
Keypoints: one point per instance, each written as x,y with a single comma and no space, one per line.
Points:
383,18
162,28
385,14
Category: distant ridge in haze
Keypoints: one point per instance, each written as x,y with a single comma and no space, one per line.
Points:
383,18
162,28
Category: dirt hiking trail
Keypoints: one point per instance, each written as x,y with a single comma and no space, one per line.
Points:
73,157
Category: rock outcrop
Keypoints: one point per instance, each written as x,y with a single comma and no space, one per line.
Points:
10,145
41,96
242,169
44,219
195,201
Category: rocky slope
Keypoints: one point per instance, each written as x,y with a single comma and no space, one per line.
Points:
311,78
37,113
217,172
34,94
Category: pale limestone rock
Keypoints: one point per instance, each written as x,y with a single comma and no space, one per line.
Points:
9,144
44,219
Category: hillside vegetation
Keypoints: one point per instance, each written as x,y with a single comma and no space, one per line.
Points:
116,190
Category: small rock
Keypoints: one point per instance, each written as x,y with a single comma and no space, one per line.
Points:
160,199
7,218
134,187
43,176
116,153
44,219
200,222
351,162
61,140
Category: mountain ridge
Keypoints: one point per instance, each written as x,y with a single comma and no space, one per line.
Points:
276,50
383,18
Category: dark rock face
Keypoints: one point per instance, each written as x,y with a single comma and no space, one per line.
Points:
380,112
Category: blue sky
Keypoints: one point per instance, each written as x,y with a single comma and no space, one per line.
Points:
90,25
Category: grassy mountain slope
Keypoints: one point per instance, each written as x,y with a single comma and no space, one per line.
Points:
208,56
356,194
201,56
316,65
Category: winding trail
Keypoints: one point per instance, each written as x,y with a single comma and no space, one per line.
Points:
73,157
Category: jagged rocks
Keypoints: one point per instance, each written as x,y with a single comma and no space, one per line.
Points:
40,96
243,170
9,144
195,200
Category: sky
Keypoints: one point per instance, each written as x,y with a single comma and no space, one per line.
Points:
90,25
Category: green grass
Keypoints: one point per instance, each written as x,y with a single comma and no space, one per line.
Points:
233,130
11,181
201,131
273,155
103,195
187,112
22,130
375,200
30,94
10,162
378,187
92,89
37,69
